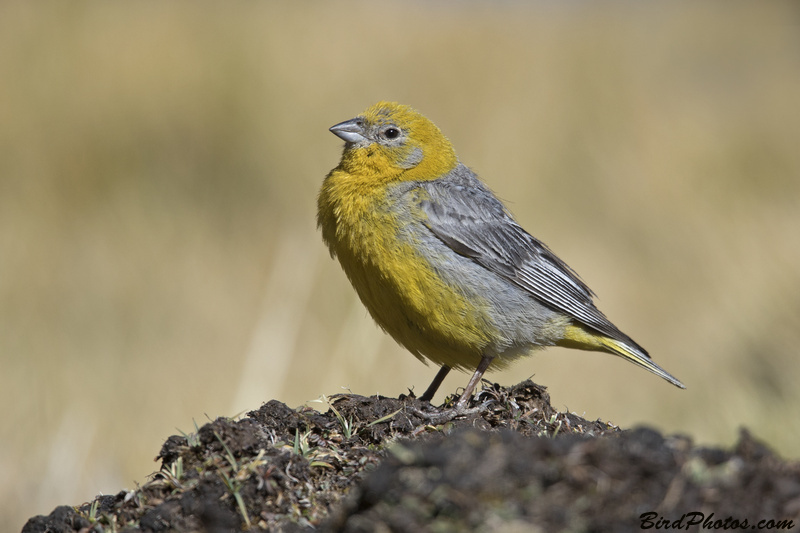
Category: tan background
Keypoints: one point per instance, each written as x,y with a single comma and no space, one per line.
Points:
159,164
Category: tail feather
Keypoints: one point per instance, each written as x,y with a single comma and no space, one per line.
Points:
644,361
578,337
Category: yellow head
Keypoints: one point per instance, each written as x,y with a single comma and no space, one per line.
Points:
391,141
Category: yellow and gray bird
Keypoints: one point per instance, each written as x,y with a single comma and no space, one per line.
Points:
441,264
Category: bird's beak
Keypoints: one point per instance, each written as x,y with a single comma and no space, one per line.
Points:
351,130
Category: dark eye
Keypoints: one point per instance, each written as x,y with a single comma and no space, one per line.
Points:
392,133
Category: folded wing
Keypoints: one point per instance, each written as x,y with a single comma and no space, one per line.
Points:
468,218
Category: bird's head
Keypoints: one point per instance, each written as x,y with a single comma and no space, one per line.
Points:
393,141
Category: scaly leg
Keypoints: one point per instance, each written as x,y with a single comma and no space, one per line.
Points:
473,382
434,386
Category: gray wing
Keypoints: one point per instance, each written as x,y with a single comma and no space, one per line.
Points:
468,218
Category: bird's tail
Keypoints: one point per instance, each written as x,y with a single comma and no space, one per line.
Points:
578,337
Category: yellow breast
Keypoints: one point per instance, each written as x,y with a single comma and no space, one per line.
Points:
394,280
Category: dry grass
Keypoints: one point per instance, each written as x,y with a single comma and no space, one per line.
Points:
158,173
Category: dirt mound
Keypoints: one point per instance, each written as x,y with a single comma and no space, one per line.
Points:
381,464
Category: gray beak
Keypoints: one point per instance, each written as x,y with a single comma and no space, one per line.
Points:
351,130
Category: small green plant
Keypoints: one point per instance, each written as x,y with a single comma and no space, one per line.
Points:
93,511
235,487
174,473
383,418
347,424
301,445
554,421
234,481
192,439
101,523
228,453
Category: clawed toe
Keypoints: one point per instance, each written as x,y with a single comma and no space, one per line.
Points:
442,417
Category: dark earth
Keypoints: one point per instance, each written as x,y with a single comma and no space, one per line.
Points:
375,464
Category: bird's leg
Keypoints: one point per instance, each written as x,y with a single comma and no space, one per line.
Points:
473,382
434,386
461,406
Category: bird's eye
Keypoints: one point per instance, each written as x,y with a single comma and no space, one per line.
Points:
392,133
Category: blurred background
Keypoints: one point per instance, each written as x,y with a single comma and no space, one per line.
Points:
159,165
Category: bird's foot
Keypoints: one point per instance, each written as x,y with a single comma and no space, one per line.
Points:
442,417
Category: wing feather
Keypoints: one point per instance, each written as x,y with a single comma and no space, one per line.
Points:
464,214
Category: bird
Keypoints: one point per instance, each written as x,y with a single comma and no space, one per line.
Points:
441,264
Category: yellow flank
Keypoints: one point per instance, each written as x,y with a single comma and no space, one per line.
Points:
576,336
